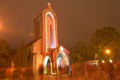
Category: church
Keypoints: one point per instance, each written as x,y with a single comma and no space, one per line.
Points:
49,57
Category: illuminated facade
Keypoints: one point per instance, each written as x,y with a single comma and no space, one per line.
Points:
48,55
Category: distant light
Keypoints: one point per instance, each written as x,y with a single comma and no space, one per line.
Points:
110,61
103,61
61,48
107,51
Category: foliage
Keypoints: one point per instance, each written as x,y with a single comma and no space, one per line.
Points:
22,56
102,39
106,38
80,52
5,53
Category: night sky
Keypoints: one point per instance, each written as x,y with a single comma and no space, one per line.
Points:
77,19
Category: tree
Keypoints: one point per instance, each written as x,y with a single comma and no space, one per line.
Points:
80,52
106,38
5,53
23,55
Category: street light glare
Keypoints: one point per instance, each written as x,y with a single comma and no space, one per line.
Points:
107,51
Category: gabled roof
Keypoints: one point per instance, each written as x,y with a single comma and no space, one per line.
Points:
49,8
32,42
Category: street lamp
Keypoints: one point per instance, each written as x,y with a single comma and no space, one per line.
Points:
107,51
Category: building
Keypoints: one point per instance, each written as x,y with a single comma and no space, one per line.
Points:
49,56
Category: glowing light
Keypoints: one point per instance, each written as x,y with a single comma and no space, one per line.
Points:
110,61
50,28
58,60
45,64
107,51
103,61
46,32
61,48
62,59
45,61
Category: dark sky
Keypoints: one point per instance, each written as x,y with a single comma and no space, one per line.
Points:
77,19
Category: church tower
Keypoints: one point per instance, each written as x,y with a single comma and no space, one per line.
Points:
46,28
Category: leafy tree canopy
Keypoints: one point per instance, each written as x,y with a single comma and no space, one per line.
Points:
106,38
5,53
80,52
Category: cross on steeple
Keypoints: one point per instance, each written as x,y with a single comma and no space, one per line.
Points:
48,4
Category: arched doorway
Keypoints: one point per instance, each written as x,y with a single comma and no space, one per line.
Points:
62,62
47,65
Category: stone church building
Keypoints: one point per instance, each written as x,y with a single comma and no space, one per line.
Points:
48,55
